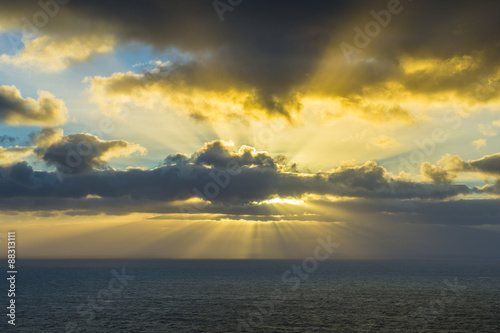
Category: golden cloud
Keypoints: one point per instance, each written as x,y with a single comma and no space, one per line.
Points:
191,89
14,154
47,53
436,66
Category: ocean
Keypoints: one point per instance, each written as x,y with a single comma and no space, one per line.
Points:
256,296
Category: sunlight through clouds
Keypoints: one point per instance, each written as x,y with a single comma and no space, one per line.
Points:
248,136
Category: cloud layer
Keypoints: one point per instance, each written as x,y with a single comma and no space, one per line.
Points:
214,180
265,59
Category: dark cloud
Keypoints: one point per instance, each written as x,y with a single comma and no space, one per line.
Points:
436,174
215,174
273,51
452,212
219,155
266,46
491,188
487,165
78,153
15,110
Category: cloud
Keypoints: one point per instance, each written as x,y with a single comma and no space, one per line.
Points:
493,189
218,154
52,55
479,143
15,110
208,87
434,66
446,212
377,112
14,154
216,176
79,153
258,63
202,91
487,130
385,142
436,174
46,137
74,153
198,89
487,165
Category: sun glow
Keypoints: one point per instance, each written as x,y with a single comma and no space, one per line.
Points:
281,201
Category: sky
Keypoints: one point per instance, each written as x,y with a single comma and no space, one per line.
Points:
249,129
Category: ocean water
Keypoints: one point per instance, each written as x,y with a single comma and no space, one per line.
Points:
256,296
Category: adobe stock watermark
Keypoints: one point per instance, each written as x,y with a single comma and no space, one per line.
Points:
421,318
291,281
225,6
31,26
88,310
363,37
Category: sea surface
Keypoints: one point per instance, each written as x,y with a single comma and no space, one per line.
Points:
256,296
